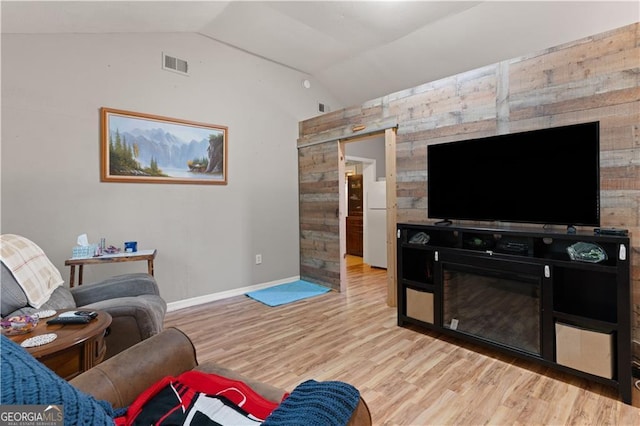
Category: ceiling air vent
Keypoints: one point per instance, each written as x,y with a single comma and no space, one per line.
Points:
175,64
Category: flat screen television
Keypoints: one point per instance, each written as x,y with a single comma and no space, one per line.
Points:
547,176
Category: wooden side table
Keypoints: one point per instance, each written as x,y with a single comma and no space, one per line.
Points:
77,348
148,255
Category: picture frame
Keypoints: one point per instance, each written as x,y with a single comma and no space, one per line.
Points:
145,148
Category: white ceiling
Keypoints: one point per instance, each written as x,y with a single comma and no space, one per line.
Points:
359,50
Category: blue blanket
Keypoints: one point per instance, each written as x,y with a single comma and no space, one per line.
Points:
315,403
25,381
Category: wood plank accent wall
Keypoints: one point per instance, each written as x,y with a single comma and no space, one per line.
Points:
595,78
319,223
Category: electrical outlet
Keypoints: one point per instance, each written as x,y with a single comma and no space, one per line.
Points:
258,259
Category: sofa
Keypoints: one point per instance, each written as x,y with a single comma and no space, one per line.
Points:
122,378
132,300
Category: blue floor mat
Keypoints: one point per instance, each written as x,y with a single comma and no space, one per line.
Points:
287,293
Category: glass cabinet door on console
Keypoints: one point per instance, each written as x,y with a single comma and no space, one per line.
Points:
494,303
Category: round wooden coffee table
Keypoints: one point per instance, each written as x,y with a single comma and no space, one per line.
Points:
77,348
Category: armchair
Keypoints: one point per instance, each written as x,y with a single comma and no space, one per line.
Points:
132,300
97,395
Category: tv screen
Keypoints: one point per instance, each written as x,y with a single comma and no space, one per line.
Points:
548,176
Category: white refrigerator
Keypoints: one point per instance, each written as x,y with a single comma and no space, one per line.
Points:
375,224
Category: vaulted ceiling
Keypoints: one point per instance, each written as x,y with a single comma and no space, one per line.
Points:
359,50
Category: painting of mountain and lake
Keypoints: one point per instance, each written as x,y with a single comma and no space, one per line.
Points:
145,148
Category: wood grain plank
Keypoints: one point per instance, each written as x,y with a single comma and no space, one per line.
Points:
407,377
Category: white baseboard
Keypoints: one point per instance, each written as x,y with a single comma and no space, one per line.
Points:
194,301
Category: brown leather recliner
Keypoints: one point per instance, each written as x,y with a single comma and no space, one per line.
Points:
120,379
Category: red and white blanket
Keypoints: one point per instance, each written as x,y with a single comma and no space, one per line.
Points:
197,398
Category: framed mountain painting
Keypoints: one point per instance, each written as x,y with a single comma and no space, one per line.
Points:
146,148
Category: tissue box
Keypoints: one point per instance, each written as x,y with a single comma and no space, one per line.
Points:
84,251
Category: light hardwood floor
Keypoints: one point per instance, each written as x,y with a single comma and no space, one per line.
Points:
405,376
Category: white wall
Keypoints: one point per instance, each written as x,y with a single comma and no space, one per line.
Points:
207,236
369,148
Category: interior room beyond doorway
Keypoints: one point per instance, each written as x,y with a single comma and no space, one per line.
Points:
365,193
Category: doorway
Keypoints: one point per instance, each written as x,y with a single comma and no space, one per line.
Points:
371,156
366,201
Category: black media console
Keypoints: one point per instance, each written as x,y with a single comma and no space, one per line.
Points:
519,291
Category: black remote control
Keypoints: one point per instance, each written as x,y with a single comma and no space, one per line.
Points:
611,231
70,320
